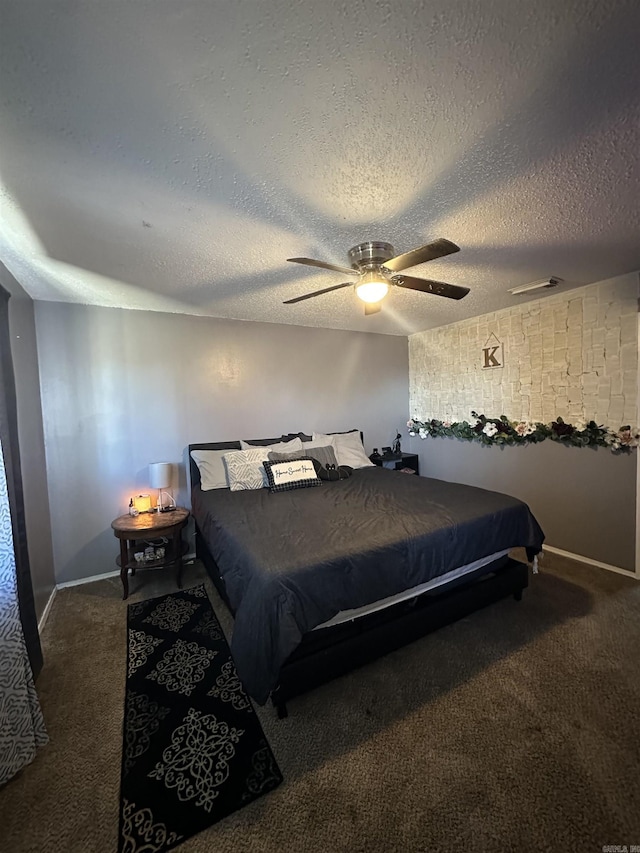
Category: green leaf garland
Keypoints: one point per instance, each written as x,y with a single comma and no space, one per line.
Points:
492,431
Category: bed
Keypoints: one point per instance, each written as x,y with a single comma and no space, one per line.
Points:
321,580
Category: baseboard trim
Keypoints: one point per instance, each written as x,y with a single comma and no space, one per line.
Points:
47,609
590,562
188,558
90,579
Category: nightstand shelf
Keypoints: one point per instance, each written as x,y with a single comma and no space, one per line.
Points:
134,564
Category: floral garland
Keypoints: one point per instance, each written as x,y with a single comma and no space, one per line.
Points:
503,431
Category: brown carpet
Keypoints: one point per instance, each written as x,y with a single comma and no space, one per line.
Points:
518,728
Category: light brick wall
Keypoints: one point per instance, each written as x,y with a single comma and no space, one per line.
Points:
573,355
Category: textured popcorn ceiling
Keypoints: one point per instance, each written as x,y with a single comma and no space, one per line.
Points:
171,155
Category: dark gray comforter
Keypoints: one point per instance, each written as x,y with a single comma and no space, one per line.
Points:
292,560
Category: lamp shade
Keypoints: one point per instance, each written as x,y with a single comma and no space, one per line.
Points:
160,475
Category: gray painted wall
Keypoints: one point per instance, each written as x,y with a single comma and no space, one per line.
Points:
32,454
584,499
121,389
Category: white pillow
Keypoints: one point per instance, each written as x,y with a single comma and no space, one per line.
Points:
245,469
213,474
322,441
279,446
348,447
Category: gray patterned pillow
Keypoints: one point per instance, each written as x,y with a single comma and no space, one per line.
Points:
324,455
245,469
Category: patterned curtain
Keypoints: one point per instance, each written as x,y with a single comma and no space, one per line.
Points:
11,450
22,728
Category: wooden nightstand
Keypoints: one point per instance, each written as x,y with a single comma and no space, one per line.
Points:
130,529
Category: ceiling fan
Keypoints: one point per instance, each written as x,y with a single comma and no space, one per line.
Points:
375,264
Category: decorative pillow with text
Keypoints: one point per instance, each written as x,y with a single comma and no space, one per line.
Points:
295,474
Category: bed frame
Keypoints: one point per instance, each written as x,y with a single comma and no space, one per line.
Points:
326,653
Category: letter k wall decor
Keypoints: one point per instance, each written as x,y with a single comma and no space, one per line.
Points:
492,353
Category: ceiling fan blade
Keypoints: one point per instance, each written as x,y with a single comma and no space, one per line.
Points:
372,308
310,262
424,285
437,249
317,293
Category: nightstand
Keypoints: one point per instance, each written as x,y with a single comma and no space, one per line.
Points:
406,460
130,529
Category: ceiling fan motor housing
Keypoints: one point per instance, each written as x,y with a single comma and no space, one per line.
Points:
370,254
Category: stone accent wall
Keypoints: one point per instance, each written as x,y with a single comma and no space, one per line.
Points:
572,354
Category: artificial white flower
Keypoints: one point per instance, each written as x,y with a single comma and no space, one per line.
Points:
422,432
580,426
628,437
611,436
612,439
490,429
524,428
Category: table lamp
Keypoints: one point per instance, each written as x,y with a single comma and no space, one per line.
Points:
160,479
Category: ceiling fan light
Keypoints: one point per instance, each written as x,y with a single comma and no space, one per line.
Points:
372,288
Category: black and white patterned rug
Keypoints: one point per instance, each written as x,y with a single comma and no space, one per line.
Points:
193,748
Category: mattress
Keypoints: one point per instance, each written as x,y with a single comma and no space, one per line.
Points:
408,594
